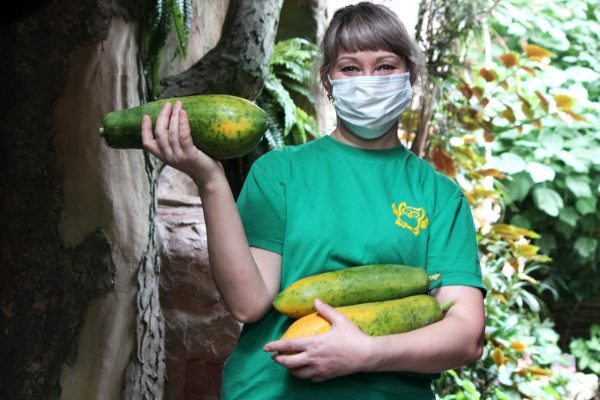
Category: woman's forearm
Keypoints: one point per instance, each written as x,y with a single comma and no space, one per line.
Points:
246,285
454,341
236,273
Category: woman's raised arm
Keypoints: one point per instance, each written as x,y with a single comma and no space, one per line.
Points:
247,278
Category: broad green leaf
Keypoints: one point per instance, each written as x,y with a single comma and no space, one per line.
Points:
547,200
579,185
547,243
519,187
521,221
564,230
586,205
578,165
589,153
509,163
540,172
551,141
582,74
569,216
586,246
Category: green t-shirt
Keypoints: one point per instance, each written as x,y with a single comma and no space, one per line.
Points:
325,206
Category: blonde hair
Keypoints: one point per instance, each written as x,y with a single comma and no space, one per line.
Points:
367,26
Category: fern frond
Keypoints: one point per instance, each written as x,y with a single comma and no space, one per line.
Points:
177,16
309,124
279,95
296,72
274,135
298,89
298,132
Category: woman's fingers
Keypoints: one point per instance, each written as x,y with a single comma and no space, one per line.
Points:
174,129
148,140
161,132
185,135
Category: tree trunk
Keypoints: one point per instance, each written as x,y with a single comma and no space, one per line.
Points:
68,256
239,63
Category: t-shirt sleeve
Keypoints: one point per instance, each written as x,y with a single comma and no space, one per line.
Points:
452,248
261,204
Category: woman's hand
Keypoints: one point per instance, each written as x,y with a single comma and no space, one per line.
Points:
172,144
343,350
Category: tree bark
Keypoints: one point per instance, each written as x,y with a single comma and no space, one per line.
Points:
47,281
239,63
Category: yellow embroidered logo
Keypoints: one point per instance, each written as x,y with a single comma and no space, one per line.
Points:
411,218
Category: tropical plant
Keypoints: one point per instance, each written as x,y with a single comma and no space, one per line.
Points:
288,84
555,164
487,119
587,352
160,18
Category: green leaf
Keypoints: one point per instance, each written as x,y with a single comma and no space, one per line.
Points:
540,172
510,163
569,216
579,185
586,246
582,74
547,200
551,141
586,205
574,162
521,221
519,187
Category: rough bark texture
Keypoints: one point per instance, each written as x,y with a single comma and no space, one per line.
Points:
233,67
49,275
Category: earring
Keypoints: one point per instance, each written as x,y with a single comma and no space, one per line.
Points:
329,96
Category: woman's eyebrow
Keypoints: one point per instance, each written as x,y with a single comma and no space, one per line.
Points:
388,57
346,58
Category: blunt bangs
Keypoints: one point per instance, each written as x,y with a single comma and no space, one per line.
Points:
359,34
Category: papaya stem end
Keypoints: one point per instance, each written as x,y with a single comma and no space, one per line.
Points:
446,306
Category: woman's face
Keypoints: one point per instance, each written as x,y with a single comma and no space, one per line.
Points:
366,63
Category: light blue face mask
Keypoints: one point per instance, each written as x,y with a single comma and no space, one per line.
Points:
369,105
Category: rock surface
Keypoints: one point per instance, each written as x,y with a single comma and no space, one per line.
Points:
199,330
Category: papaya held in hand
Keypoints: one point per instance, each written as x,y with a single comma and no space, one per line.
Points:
377,318
353,285
222,126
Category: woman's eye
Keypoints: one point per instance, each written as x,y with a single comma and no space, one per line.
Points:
388,67
349,68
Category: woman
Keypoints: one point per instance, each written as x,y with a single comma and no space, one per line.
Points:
354,197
